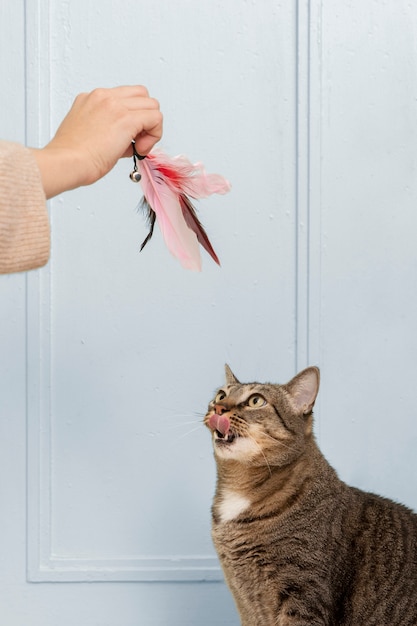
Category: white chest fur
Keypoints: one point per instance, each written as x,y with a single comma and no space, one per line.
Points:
231,505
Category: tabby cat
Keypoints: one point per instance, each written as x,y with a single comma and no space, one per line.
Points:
298,546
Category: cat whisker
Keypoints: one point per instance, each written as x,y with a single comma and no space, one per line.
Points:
171,416
181,424
190,432
193,430
262,452
278,441
239,421
178,420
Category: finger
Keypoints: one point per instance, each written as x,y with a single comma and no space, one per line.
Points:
148,131
145,143
123,91
127,90
135,103
147,122
120,97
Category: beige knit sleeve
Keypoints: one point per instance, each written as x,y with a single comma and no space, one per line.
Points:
24,224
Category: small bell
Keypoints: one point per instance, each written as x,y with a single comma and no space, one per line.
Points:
135,176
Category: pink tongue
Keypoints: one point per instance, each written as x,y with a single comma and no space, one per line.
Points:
220,423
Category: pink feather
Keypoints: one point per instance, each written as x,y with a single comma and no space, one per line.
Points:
166,183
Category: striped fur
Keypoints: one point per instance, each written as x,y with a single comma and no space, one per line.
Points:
297,545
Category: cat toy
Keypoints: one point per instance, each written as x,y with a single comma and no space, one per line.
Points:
167,184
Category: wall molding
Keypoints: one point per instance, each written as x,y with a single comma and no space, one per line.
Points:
175,568
42,564
308,233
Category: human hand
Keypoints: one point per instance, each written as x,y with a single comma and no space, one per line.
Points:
95,134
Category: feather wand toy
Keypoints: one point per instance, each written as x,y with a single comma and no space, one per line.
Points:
167,183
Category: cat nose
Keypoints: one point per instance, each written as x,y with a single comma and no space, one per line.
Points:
220,409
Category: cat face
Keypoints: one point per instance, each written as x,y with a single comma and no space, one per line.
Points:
262,424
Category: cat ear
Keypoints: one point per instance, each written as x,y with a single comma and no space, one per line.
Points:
304,388
230,377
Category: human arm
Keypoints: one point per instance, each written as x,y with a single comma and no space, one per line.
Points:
95,134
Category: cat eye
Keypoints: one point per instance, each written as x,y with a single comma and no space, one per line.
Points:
220,396
256,401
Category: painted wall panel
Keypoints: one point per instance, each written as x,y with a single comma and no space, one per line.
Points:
123,350
12,328
121,334
368,196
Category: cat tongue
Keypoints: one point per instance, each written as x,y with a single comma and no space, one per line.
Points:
220,423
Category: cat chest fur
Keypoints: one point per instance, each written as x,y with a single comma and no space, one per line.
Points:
230,504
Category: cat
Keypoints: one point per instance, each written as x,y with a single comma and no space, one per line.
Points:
297,545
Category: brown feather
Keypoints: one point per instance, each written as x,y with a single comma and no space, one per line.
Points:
195,225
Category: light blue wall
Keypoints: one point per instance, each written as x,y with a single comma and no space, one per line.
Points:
108,358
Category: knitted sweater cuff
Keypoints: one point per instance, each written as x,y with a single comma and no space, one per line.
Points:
24,223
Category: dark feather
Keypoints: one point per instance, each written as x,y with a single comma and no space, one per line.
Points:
195,225
151,218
